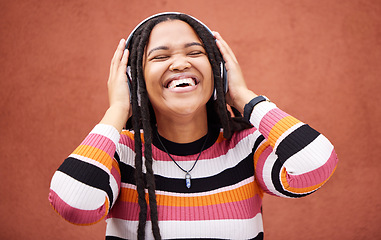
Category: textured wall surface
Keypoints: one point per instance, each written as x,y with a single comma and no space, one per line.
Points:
317,60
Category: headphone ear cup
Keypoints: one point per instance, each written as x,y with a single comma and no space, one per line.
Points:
224,78
129,79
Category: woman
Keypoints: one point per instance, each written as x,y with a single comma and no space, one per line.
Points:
204,172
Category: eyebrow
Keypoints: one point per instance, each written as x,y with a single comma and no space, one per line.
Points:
167,48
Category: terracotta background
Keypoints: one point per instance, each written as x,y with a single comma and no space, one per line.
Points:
318,60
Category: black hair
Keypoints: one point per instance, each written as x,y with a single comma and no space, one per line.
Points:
143,116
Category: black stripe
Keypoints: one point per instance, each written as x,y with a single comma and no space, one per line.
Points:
258,237
292,144
185,149
117,158
87,174
228,177
257,142
295,142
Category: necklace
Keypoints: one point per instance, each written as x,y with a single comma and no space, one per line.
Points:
187,173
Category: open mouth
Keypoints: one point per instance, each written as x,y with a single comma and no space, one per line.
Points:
185,82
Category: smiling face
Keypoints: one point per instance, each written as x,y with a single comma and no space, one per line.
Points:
177,71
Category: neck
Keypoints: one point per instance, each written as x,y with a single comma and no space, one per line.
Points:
183,129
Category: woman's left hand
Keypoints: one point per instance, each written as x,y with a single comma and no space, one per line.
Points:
238,94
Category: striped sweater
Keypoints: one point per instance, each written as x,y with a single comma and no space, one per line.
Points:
280,156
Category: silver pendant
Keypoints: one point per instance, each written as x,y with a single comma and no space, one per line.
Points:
188,180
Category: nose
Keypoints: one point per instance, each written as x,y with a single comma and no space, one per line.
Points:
179,63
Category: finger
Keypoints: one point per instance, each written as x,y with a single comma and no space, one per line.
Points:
224,47
224,44
125,57
117,55
123,62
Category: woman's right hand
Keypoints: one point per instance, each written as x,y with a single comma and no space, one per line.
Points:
118,90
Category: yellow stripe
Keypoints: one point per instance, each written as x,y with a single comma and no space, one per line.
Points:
280,127
95,154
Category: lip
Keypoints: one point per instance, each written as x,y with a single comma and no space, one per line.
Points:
179,76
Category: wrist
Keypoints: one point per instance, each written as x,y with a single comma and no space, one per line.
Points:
116,115
249,107
242,99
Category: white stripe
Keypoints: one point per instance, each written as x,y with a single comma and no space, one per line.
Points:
75,193
113,183
313,156
107,131
225,229
114,188
126,154
259,111
266,174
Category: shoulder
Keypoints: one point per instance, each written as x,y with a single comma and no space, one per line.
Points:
243,137
127,137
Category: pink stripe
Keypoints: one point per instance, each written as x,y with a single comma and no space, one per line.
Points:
236,210
101,142
269,121
259,169
214,151
316,176
126,140
115,173
75,215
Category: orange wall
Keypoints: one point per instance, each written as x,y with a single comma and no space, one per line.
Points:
318,60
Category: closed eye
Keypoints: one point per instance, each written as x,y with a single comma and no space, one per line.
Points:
196,53
160,57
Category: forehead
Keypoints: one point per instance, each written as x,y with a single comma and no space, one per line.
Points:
172,32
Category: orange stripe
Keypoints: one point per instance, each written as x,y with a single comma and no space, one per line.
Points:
116,166
220,138
280,127
259,151
242,193
301,190
128,134
95,154
131,135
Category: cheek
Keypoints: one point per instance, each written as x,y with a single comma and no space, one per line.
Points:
149,76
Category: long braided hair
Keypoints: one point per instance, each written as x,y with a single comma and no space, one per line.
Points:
143,116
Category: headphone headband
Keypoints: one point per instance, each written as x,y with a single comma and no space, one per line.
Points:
159,15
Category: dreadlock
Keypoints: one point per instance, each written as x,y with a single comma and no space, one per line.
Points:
143,116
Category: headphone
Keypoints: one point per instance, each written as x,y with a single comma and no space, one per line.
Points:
128,41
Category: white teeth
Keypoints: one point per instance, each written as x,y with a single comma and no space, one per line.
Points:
176,83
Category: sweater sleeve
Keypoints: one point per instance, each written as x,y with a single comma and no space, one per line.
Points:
86,185
292,159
